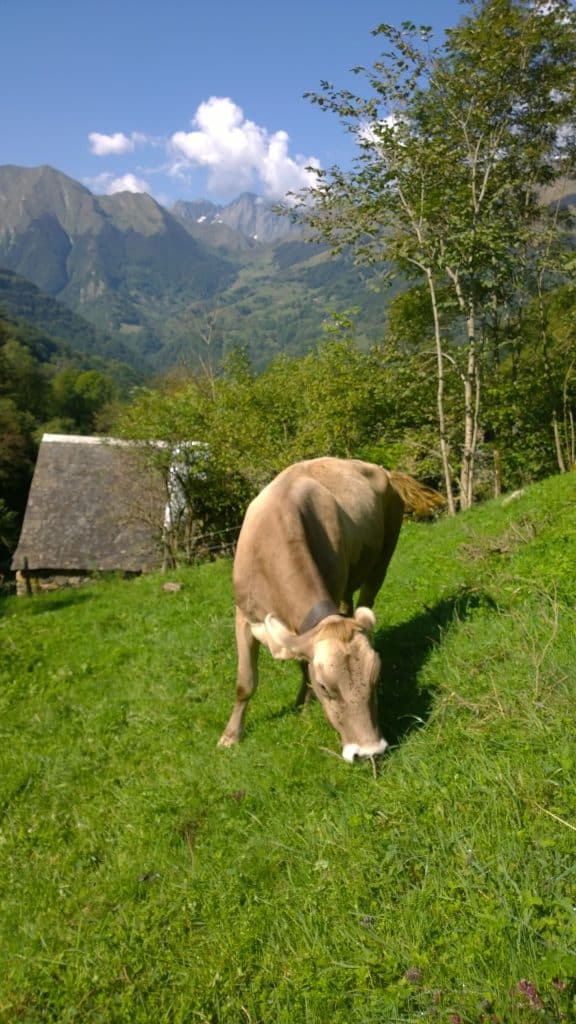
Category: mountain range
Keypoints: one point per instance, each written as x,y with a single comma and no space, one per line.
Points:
122,275
250,217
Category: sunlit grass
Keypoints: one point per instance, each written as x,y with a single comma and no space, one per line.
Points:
147,876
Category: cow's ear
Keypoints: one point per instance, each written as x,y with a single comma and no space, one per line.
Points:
365,617
281,641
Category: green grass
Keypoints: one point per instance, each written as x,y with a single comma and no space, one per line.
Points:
147,877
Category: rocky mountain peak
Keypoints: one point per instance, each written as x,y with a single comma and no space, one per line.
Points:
250,215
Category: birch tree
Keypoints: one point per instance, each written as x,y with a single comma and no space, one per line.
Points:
454,146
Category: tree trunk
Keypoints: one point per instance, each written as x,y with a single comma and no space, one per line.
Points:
471,415
558,443
569,431
497,474
444,448
548,375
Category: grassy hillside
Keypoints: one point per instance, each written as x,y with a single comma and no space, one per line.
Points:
148,877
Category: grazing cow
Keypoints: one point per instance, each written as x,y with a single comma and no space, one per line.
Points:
320,531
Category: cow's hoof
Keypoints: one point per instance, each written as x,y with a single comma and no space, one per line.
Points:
227,741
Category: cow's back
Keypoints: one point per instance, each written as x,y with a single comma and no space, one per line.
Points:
312,533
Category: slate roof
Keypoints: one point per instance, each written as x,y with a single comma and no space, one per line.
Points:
94,504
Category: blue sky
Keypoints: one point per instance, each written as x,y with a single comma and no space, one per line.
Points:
185,99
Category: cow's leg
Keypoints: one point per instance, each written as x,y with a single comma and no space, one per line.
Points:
305,693
246,679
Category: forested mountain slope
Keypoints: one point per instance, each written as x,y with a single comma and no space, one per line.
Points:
176,287
20,299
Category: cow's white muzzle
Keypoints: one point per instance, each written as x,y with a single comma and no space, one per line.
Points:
353,750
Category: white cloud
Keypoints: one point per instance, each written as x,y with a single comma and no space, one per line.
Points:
238,153
107,184
128,183
371,132
110,145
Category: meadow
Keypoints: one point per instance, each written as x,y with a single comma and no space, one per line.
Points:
147,877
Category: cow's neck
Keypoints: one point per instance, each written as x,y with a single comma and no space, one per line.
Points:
318,611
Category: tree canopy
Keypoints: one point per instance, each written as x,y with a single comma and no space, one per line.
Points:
455,145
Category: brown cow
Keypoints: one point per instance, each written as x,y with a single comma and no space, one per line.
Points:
320,531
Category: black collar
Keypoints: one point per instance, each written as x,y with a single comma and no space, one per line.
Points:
318,612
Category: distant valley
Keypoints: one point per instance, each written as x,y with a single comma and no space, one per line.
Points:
123,277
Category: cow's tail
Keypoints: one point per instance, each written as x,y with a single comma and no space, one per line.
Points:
419,500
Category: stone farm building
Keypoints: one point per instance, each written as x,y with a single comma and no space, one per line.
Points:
95,505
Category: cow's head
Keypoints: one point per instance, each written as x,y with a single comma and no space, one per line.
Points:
344,670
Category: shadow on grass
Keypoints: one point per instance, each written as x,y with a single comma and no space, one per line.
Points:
403,704
53,601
